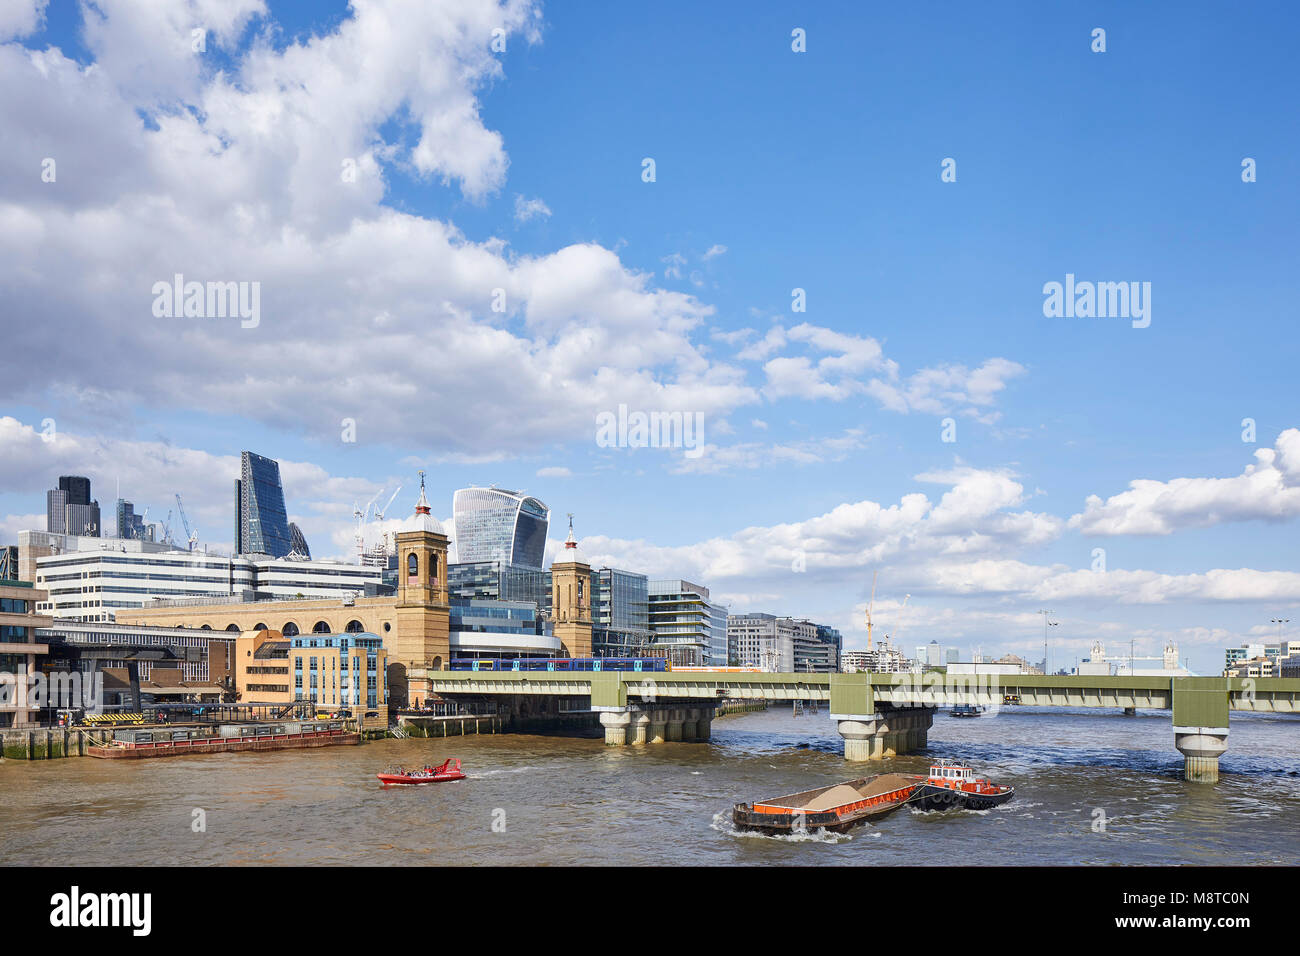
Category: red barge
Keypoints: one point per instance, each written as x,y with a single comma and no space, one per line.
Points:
136,743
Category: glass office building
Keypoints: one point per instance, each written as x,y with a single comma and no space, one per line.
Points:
261,523
492,524
620,613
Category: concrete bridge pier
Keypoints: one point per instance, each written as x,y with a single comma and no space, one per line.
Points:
1201,748
690,723
886,734
639,731
657,729
673,727
615,724
704,726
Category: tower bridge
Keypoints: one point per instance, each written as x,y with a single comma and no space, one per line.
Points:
882,715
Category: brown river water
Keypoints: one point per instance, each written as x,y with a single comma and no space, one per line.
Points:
1091,787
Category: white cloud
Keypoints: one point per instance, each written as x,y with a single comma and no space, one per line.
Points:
526,209
1268,490
19,18
713,252
554,471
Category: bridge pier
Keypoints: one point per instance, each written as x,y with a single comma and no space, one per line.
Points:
615,724
638,733
690,723
886,734
1201,748
673,728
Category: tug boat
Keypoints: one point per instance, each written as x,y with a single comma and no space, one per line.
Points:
1012,699
440,774
966,710
952,786
836,808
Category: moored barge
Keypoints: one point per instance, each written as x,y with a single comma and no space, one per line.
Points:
837,808
135,743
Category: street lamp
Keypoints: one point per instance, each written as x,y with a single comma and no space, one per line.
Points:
1279,621
1046,625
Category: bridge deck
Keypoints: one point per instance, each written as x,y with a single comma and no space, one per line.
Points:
854,693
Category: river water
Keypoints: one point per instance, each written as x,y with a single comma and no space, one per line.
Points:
1091,787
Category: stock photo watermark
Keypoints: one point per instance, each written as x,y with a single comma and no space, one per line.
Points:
637,429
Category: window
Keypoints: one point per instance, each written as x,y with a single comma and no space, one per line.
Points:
412,565
320,627
354,627
433,568
260,627
233,627
290,629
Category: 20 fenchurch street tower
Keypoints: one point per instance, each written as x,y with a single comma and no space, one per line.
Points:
493,524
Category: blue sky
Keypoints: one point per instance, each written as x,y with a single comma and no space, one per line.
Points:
775,170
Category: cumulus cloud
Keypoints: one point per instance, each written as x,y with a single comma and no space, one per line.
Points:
275,171
1268,490
18,18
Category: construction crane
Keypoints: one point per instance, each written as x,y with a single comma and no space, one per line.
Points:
360,514
191,535
167,528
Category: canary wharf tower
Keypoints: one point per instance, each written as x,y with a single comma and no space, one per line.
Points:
493,524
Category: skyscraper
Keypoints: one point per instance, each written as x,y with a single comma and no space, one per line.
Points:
261,523
69,508
493,524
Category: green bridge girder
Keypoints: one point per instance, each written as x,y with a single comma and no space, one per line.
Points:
1194,701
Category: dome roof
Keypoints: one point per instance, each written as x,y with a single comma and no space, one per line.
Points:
423,519
570,552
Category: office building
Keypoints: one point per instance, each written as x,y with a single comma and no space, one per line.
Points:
93,585
496,629
21,651
261,522
338,672
499,581
620,614
493,524
762,640
684,623
130,524
200,656
298,542
69,509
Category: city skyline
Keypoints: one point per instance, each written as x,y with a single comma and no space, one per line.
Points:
820,456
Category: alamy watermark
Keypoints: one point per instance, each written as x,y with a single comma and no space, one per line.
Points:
651,430
1101,300
208,300
61,690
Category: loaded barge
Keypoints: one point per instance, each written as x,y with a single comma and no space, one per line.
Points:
139,742
835,808
949,786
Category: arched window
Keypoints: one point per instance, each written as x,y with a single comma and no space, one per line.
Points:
260,627
206,627
290,630
412,565
320,627
354,627
433,569
233,627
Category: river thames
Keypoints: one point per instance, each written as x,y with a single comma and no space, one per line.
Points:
1092,787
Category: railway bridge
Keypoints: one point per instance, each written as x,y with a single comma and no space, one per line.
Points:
878,715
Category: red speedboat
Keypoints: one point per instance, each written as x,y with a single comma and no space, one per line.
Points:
448,770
